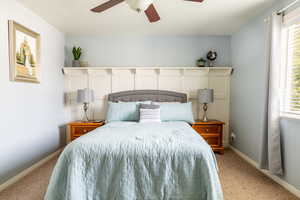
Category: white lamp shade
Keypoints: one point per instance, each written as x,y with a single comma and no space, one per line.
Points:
139,5
206,96
85,96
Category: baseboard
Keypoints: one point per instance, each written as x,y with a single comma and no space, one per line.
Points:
27,171
278,180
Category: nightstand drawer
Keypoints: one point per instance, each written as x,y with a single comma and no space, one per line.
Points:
212,132
77,129
212,140
208,129
80,130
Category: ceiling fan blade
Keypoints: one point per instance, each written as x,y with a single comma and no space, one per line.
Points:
152,14
195,0
106,5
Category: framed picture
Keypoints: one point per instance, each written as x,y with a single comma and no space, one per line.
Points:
24,46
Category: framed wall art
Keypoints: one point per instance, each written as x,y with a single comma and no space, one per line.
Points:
24,46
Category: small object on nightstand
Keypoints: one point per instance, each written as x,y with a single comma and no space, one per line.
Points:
212,132
79,128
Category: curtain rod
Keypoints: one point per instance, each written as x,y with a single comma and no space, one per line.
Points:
287,7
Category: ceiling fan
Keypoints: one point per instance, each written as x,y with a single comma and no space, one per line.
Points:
138,5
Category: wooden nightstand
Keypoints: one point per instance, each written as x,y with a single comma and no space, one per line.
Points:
79,128
212,132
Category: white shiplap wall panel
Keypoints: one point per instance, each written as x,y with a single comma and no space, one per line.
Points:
219,80
220,86
123,80
75,80
171,79
98,109
104,80
194,80
100,81
146,79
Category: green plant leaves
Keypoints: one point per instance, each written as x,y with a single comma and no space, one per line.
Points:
76,53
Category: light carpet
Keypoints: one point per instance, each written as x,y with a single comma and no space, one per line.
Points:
240,181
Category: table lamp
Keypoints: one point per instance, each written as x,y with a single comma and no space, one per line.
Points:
85,96
205,96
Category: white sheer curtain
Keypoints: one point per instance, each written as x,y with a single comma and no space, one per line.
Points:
270,157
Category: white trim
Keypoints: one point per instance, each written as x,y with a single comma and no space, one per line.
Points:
289,115
225,71
292,17
287,7
27,171
145,68
292,189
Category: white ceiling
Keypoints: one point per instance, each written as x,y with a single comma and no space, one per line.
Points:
178,17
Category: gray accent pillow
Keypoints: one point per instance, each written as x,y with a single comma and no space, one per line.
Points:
149,106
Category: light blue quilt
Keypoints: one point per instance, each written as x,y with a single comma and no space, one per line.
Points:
134,161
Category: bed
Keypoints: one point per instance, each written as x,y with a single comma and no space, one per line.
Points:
136,161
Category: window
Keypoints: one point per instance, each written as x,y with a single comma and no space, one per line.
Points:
291,81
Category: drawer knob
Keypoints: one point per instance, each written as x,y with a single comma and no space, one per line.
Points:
84,130
207,130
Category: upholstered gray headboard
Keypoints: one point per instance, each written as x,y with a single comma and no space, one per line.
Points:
148,95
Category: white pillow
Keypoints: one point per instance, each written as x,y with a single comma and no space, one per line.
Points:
149,113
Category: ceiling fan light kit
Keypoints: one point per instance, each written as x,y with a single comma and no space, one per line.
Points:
137,5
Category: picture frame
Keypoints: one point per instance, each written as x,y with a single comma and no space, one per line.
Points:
24,53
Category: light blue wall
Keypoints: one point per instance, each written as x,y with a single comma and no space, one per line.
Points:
31,114
146,51
248,96
291,145
248,87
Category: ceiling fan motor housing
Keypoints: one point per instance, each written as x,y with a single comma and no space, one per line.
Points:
139,5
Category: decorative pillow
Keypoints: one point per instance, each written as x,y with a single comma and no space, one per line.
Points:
123,111
149,106
149,113
176,112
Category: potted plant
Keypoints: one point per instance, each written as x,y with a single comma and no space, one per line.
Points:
76,53
201,62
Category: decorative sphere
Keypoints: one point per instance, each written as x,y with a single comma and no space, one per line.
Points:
212,55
